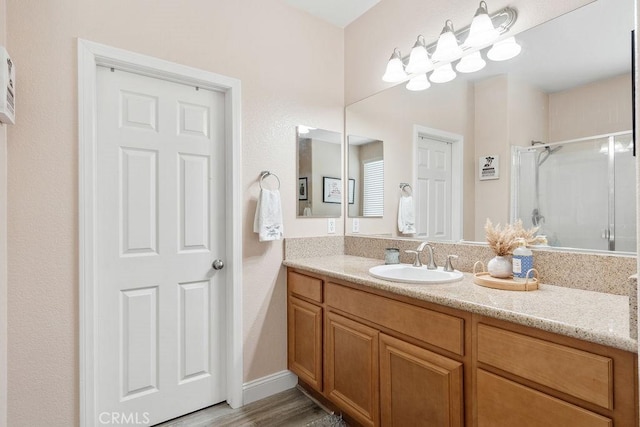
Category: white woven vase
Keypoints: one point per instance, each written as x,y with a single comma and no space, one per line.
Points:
500,267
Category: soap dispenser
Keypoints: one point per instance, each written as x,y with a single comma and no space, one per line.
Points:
522,261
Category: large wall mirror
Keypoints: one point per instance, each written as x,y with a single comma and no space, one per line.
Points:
569,89
319,185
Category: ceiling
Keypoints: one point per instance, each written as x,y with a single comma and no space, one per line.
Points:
337,12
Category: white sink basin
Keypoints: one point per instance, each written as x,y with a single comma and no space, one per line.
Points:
407,273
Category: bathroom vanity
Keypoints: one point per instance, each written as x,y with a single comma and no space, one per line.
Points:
458,354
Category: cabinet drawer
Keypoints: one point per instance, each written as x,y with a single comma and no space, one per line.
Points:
432,327
305,286
578,373
504,403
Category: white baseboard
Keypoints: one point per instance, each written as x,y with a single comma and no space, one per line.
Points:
268,386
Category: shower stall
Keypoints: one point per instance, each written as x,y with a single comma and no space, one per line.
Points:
580,193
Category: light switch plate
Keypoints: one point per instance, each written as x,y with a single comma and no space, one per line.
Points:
331,225
355,225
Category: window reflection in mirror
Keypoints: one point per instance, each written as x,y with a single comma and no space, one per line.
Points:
366,177
319,172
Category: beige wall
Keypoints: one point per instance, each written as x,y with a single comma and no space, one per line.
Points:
263,43
592,109
3,240
508,112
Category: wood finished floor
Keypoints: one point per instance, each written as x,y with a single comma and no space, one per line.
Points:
291,408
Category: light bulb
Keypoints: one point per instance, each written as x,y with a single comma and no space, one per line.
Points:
471,63
481,32
395,69
443,74
419,62
504,49
447,48
419,82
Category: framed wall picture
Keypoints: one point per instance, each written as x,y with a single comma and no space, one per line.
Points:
331,190
489,167
352,191
303,191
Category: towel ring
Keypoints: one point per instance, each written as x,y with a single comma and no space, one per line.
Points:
265,174
406,188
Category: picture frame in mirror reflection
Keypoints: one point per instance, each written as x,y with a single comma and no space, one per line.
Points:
303,190
331,190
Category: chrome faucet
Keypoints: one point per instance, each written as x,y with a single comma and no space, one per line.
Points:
431,265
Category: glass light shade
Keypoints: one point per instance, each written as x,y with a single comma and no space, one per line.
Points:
419,82
395,69
419,62
504,49
447,48
471,63
443,74
481,32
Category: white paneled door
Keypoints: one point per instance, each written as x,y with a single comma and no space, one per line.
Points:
434,189
160,203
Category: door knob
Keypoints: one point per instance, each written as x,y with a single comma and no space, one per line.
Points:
217,264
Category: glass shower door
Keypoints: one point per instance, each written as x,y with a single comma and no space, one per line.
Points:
574,191
577,193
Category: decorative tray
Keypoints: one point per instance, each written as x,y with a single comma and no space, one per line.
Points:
483,278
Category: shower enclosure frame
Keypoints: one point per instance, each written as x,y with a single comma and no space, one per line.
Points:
609,233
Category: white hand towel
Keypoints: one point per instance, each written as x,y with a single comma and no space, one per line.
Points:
268,220
406,215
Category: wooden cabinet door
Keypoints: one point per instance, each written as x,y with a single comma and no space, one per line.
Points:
304,341
352,368
418,387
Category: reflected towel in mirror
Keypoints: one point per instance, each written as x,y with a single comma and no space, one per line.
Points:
268,220
406,215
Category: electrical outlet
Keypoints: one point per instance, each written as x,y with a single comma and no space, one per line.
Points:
331,225
355,225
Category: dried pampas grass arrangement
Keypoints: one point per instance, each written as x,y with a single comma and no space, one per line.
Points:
503,240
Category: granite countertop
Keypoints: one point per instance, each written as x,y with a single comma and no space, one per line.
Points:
591,316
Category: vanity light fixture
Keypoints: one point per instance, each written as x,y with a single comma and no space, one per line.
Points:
484,30
395,68
419,82
419,62
447,49
481,32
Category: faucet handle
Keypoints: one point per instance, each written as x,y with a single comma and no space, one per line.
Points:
416,261
448,266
